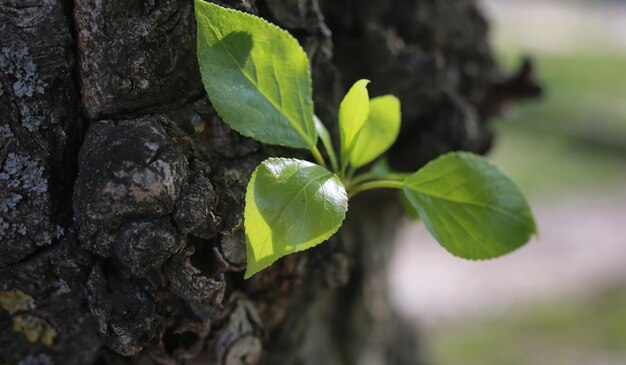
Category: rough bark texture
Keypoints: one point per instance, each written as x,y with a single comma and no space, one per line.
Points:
121,190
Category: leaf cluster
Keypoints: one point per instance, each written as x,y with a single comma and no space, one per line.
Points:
258,78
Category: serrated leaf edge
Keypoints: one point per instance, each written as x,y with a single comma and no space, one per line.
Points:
249,192
462,154
308,71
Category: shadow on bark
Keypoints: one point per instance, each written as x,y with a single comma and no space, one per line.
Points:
122,243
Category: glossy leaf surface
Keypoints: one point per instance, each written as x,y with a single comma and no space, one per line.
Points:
470,207
379,131
291,205
256,75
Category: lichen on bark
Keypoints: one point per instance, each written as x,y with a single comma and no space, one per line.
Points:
132,249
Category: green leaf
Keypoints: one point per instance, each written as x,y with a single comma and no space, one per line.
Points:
379,131
353,113
409,209
256,75
291,205
470,207
326,141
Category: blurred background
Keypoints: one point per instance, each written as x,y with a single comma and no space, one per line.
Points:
562,298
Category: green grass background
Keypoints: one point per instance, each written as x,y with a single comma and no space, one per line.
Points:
584,331
571,145
574,140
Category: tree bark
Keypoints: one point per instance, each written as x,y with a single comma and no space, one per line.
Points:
121,190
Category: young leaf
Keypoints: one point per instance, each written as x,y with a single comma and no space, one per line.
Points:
291,205
379,131
353,112
256,75
470,207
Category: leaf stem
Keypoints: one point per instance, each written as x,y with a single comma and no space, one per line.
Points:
351,171
318,156
333,159
358,179
378,184
343,165
327,143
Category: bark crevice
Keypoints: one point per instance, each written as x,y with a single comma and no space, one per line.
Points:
132,249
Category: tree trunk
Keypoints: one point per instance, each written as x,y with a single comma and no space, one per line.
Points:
121,190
